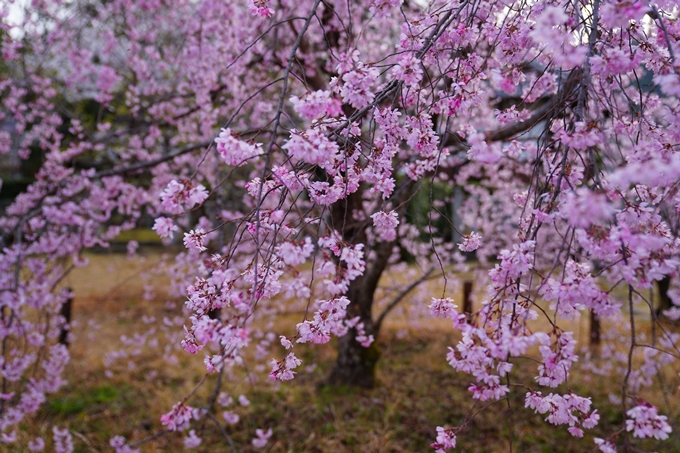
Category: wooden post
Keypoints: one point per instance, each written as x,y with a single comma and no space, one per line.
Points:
665,302
594,330
66,313
467,297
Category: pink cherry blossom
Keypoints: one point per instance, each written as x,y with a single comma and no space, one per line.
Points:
165,227
446,440
470,242
192,440
283,370
260,8
357,85
645,422
230,417
63,442
37,444
262,437
443,308
234,151
386,225
605,446
121,446
195,240
316,104
178,418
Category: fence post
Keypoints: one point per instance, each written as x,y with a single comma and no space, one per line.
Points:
594,329
467,298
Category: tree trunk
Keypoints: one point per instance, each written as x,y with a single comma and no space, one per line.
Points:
664,299
355,364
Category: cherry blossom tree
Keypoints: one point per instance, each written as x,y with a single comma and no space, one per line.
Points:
290,146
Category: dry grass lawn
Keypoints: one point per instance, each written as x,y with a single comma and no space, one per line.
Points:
417,390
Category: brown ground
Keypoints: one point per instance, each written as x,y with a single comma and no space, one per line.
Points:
417,390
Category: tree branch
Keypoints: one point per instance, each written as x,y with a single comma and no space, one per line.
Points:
400,297
152,162
539,114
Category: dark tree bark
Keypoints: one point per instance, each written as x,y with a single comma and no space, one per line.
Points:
66,311
215,314
355,365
